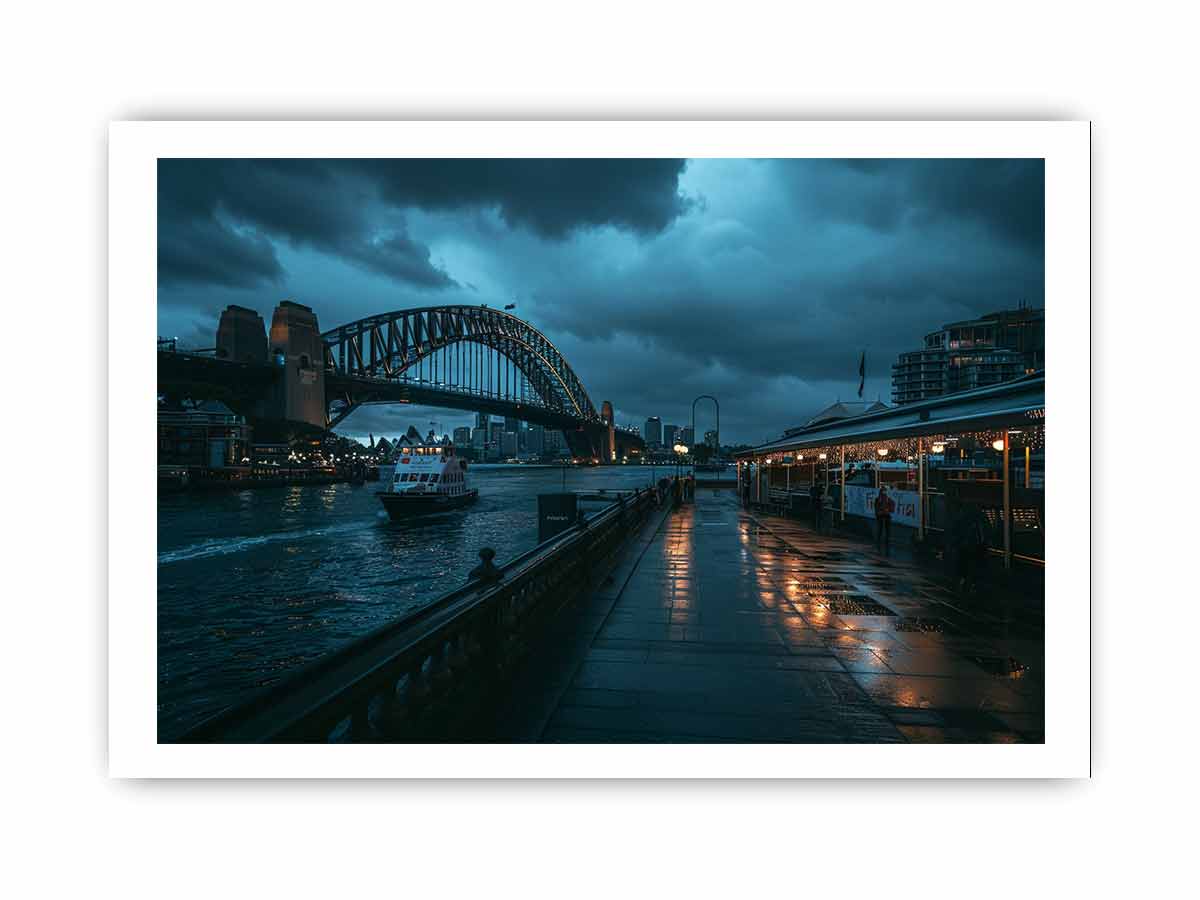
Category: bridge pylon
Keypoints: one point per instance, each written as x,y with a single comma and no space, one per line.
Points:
295,345
608,444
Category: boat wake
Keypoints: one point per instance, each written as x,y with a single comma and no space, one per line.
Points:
226,546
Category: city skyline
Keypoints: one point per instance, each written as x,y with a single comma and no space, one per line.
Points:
654,277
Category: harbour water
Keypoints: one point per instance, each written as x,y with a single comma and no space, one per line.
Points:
254,584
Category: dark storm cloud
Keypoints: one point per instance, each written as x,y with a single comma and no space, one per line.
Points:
217,218
1005,195
239,205
863,253
763,288
553,197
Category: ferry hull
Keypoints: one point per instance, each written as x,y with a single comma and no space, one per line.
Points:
402,505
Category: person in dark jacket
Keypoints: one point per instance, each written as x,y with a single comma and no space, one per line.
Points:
969,540
816,496
883,520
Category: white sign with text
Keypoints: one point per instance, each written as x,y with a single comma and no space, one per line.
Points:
860,501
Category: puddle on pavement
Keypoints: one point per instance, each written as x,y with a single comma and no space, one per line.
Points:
1003,666
854,605
923,625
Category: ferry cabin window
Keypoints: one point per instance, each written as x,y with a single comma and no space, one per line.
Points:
424,476
433,478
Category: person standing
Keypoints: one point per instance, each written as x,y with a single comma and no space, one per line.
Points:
816,496
883,520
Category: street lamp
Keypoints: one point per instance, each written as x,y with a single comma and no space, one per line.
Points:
680,450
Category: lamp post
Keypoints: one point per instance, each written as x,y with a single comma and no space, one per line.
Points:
1001,446
680,450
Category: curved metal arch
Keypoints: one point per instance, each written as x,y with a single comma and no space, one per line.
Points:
388,344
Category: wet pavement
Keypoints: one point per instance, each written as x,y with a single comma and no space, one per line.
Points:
723,625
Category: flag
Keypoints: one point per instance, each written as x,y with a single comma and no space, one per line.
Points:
862,373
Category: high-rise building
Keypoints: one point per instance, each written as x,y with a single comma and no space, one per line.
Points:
670,435
478,437
462,437
481,420
997,347
652,432
686,435
535,440
511,424
508,444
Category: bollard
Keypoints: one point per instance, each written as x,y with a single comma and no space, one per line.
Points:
486,570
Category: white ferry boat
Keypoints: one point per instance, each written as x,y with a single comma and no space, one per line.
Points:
427,480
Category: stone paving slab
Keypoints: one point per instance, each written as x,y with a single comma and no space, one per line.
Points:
734,626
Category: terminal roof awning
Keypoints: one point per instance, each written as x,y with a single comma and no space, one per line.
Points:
1021,402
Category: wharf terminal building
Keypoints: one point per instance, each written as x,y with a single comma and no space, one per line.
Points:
979,451
962,356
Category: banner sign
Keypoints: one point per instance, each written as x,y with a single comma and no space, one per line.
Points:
860,501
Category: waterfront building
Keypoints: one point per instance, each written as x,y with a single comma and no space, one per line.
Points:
982,448
652,432
535,440
478,437
481,420
670,436
508,444
210,435
687,435
462,437
994,348
554,441
842,409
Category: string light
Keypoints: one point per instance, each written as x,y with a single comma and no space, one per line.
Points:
1031,436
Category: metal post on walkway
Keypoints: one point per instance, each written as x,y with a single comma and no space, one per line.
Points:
1007,508
843,449
1027,467
921,489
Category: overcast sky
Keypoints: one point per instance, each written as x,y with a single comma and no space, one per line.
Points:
757,281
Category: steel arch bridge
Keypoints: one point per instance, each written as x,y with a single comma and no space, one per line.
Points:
481,355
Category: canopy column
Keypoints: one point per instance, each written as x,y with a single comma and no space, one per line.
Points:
1007,507
921,488
843,450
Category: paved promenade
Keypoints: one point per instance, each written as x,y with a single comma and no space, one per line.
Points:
723,625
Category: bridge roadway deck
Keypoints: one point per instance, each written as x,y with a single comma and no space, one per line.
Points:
722,625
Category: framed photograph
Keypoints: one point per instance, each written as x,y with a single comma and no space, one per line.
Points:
599,449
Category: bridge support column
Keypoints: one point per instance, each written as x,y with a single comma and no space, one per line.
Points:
295,346
241,335
608,446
